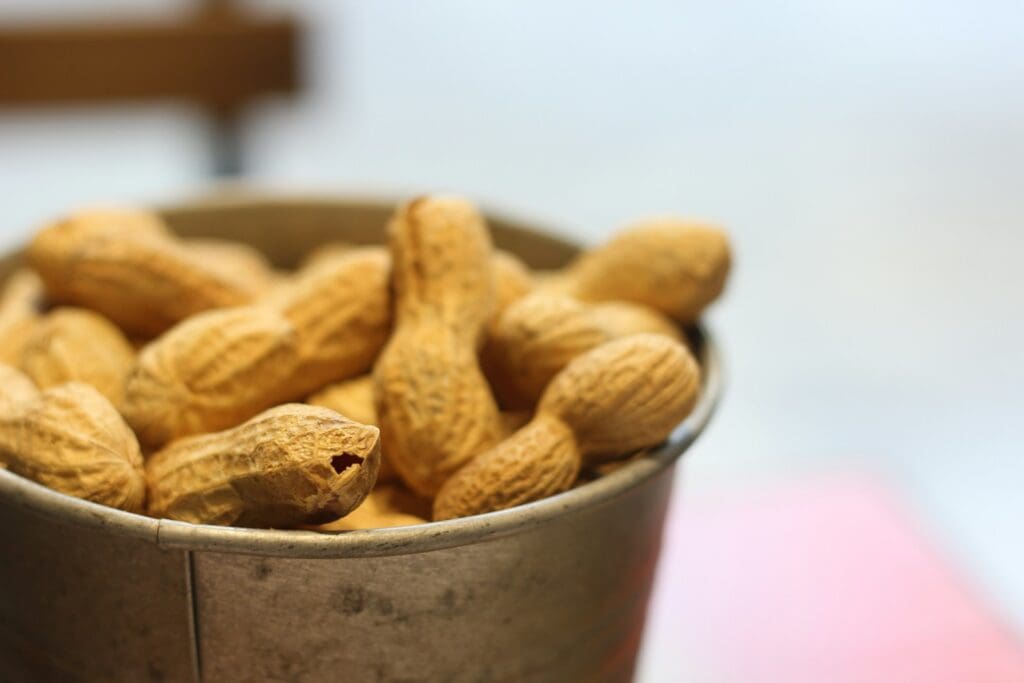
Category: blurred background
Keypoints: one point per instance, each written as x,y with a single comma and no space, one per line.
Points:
867,157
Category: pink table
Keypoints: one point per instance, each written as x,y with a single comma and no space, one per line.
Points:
825,581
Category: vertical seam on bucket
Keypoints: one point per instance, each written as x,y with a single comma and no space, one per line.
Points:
192,597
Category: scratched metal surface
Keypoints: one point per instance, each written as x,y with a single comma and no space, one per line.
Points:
89,604
562,601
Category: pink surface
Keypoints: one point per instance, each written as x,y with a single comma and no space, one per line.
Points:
826,581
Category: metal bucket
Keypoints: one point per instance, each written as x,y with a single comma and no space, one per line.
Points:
552,591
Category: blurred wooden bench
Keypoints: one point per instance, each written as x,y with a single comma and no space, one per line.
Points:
217,56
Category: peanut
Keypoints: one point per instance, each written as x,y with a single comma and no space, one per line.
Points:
513,420
75,344
293,464
512,278
342,317
129,267
238,339
626,394
512,281
325,254
353,398
385,507
538,335
70,439
15,388
621,318
220,368
235,261
435,408
210,372
671,265
19,311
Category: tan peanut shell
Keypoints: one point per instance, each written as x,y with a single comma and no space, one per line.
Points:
538,461
235,261
385,507
353,398
70,439
623,395
290,465
210,372
674,266
126,265
15,387
512,278
512,281
220,368
538,335
397,498
325,254
435,408
513,420
20,304
627,394
75,344
342,317
621,318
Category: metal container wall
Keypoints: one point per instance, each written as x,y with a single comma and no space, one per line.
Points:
552,591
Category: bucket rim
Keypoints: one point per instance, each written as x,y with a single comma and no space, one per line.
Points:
170,534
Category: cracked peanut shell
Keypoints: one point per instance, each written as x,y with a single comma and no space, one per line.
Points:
290,465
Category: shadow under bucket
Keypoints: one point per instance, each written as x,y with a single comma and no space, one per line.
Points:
556,590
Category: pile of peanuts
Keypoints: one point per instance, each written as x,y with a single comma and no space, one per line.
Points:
375,386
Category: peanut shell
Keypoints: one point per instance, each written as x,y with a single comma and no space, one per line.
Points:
72,440
20,304
234,261
435,408
539,334
674,266
290,465
213,371
75,344
342,317
621,318
538,461
129,267
626,394
325,254
383,508
15,387
353,398
220,368
512,281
